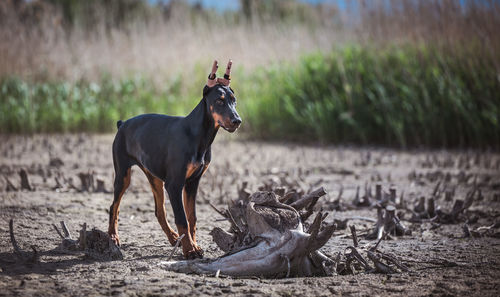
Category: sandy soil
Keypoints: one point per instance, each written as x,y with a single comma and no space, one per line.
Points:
442,261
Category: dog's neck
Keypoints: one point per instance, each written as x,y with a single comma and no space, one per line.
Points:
201,125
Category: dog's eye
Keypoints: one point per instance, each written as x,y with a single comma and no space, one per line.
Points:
219,101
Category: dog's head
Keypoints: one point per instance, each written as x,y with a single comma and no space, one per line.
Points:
221,99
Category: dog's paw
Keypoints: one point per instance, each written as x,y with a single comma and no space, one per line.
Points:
173,238
115,239
193,254
199,251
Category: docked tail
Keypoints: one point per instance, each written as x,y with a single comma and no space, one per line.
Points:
118,124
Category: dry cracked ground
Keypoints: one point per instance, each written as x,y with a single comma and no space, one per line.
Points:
71,175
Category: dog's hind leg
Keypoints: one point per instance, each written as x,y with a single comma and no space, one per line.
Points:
122,181
122,164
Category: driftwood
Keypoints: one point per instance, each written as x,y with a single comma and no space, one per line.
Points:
338,204
28,258
483,231
56,162
25,184
86,181
89,182
268,238
363,201
388,222
96,244
99,186
10,186
428,211
352,260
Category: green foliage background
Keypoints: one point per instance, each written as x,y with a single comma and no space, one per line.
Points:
401,96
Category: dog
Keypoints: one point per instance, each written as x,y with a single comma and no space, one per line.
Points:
174,153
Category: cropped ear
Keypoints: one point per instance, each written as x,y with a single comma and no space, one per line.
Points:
227,76
206,89
212,81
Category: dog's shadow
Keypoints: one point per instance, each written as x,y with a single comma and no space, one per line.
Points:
53,262
47,262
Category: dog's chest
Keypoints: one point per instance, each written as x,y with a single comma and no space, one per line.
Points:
198,164
196,167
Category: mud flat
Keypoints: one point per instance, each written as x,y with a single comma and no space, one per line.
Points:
69,178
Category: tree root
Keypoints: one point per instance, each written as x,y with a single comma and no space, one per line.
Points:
95,244
27,258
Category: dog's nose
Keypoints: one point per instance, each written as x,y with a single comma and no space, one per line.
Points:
236,121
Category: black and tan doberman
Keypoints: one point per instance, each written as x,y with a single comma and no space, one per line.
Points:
174,152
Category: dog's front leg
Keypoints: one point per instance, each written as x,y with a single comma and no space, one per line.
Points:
190,190
174,189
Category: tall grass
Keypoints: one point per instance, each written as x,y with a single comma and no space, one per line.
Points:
82,106
397,96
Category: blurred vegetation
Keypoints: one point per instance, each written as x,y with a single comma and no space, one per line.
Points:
397,96
27,107
120,14
412,73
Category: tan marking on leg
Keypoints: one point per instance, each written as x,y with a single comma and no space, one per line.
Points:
188,247
189,210
205,168
160,211
191,168
115,211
